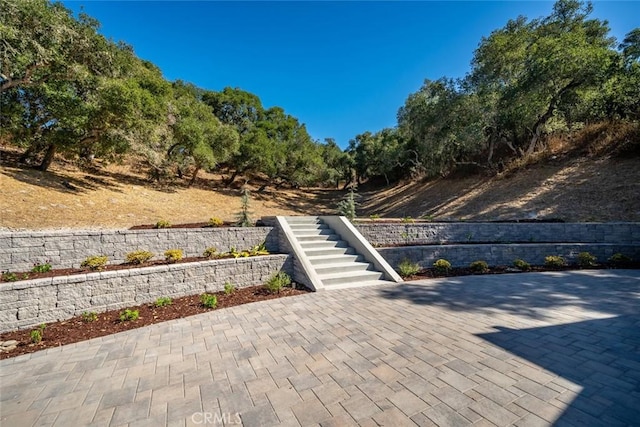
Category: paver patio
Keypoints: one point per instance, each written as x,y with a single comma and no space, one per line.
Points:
529,349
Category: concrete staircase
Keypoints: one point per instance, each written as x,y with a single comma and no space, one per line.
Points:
335,263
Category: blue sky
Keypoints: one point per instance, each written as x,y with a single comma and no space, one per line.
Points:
341,68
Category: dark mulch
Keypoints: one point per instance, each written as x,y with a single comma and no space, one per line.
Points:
76,329
110,267
187,225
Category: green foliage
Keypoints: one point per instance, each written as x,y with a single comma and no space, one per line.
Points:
585,260
37,334
521,264
215,222
407,220
277,282
479,266
347,206
442,266
173,255
619,260
260,249
244,216
8,276
163,302
229,288
554,261
209,300
162,224
41,268
374,217
95,262
89,316
129,315
407,268
210,252
138,257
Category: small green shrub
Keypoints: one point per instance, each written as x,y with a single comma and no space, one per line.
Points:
214,221
442,266
521,264
210,252
585,260
95,262
129,315
619,260
209,300
277,282
173,255
374,217
407,268
407,220
347,206
163,224
37,334
41,268
163,302
260,249
244,216
8,276
479,266
554,261
89,316
138,257
229,288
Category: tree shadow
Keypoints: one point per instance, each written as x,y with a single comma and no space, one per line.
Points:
601,356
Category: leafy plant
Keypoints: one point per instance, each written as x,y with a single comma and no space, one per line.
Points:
129,315
163,302
209,300
407,268
479,266
138,257
585,260
347,206
37,334
214,221
521,264
442,266
173,255
89,316
260,249
229,288
374,217
210,252
95,262
554,261
41,268
277,282
8,276
163,224
244,216
619,260
407,220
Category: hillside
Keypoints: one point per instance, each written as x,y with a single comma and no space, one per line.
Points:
594,176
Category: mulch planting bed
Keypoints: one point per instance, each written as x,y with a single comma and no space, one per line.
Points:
78,329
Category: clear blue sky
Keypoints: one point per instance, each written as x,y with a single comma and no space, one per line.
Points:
341,68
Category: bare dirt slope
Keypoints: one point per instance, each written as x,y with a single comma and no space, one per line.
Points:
567,186
573,190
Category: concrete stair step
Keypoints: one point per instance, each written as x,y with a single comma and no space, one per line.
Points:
317,252
323,244
349,277
342,267
317,237
333,259
358,284
295,220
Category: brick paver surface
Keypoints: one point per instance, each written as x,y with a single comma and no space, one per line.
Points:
527,350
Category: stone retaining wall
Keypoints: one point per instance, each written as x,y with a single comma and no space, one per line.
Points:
19,251
502,254
385,234
32,302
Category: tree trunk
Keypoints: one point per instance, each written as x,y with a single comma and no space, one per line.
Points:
48,157
194,176
232,178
